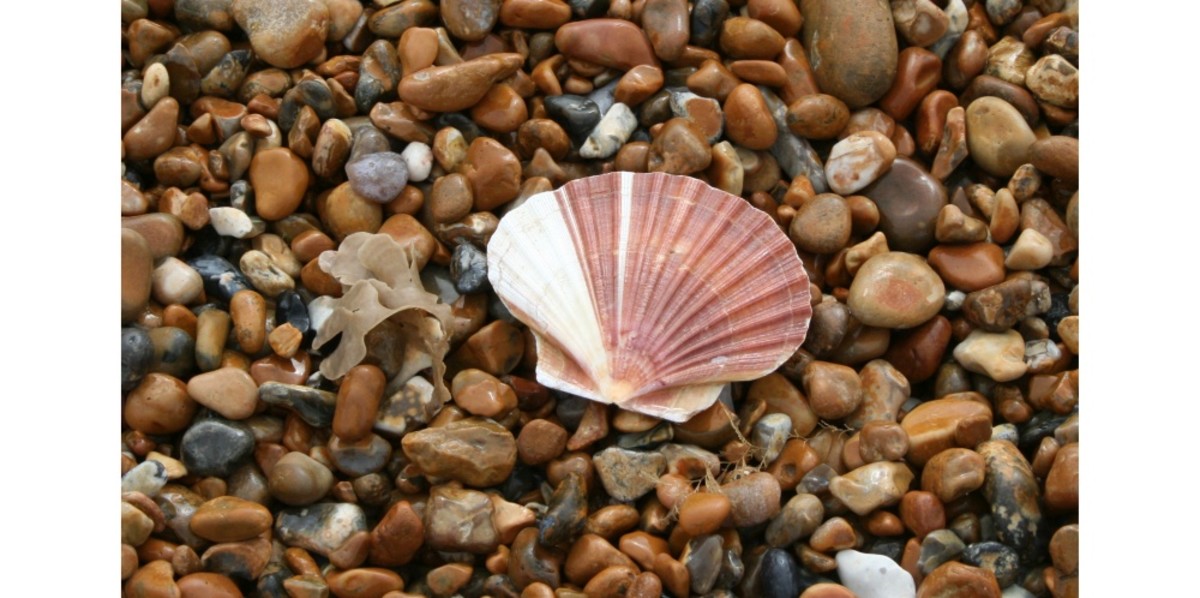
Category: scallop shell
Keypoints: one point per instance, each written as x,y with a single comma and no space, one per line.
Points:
650,291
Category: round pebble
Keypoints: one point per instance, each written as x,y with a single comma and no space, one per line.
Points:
895,290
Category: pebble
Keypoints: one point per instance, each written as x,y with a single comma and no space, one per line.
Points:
174,351
748,120
321,528
702,558
748,38
473,451
800,517
154,133
221,279
285,34
858,160
458,86
482,394
1031,251
998,355
230,519
895,290
940,546
610,133
262,272
147,477
152,580
953,473
873,575
361,457
589,556
297,479
397,537
833,390
920,22
137,268
852,48
470,21
468,269
364,581
577,115
703,113
627,474
1001,560
1062,483
379,177
280,179
909,199
817,116
204,583
969,267
1041,216
998,136
136,354
822,225
1057,156
612,43
703,513
229,391
871,486
638,84
666,25
159,405
215,447
457,519
770,433
956,579
494,172
706,19
680,148
754,499
534,14
948,422
1000,307
1011,490
314,406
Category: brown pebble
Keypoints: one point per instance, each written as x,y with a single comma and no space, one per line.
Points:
748,121
494,173
248,310
954,579
817,116
501,110
482,394
162,232
998,136
540,441
953,473
969,267
674,575
589,556
922,512
459,86
344,212
137,265
154,133
666,25
918,73
397,537
363,583
159,405
748,38
935,425
703,513
155,579
638,84
230,519
203,584
534,14
279,178
827,590
679,148
358,402
712,80
1057,156
613,43
834,534
231,392
852,47
1062,483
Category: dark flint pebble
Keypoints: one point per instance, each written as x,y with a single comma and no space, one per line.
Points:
468,268
224,79
707,18
312,405
570,410
291,309
566,515
174,351
136,355
215,447
221,278
588,9
1001,560
576,114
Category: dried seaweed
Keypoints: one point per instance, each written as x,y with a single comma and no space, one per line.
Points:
382,283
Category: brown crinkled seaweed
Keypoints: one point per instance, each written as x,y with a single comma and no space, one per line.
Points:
382,283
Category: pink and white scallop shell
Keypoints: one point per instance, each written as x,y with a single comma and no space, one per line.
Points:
650,291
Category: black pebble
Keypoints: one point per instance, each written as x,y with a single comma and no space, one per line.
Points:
577,115
136,355
468,269
998,558
707,18
221,278
782,577
459,121
215,447
588,9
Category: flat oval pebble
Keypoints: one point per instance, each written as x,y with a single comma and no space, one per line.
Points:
999,138
896,290
858,160
852,48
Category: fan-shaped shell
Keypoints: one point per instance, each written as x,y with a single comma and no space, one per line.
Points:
650,291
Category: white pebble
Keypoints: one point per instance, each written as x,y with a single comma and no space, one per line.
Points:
173,281
610,133
419,159
230,222
954,300
874,576
1032,251
156,83
1016,591
148,477
858,160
